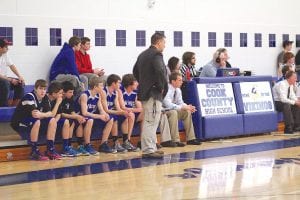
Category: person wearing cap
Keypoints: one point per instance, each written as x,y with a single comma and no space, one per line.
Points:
9,83
287,47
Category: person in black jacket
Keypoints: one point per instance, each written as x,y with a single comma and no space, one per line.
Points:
151,73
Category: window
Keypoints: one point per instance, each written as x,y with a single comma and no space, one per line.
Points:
272,40
195,39
31,38
285,37
78,32
7,33
297,40
140,38
257,40
177,38
243,40
228,39
100,37
55,37
121,38
212,39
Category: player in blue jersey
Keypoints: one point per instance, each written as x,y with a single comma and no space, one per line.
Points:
55,93
129,102
110,102
77,122
33,112
92,109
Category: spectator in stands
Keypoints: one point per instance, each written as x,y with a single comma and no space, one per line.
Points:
130,103
151,73
297,58
188,69
287,102
9,83
91,108
218,61
287,47
288,59
84,64
79,123
223,50
110,102
33,113
284,70
178,110
173,65
64,66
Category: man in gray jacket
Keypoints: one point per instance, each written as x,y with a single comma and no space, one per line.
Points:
151,73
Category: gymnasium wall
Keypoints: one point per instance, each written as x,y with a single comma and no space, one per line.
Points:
235,16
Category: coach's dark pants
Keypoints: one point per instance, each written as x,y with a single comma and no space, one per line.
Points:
291,114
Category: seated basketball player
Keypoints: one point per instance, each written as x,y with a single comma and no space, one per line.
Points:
91,108
32,113
129,102
110,102
78,123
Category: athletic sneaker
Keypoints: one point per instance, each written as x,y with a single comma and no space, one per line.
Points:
106,148
119,148
69,152
89,148
129,146
53,155
38,156
81,151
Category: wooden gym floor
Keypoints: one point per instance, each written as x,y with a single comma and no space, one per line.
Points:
257,167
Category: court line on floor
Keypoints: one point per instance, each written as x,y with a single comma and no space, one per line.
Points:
103,167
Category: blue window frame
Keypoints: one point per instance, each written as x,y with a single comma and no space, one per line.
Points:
7,34
121,38
298,40
177,38
272,40
31,38
212,39
100,37
228,39
195,39
243,40
55,37
285,37
140,38
257,40
78,32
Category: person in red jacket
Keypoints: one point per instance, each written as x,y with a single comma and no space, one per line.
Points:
84,64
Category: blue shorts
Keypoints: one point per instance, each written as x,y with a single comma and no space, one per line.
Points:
136,115
119,118
100,122
26,125
28,122
71,121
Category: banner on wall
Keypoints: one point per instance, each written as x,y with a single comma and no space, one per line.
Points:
216,99
257,96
